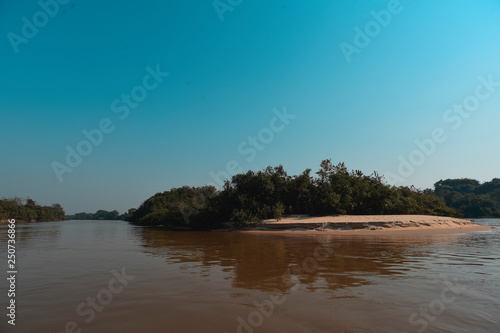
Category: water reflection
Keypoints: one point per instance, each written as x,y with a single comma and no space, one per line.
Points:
190,282
264,261
27,233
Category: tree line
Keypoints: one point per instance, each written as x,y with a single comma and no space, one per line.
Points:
470,197
29,211
99,215
250,197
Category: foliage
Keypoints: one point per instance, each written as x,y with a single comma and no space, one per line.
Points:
176,208
99,215
29,211
470,197
251,197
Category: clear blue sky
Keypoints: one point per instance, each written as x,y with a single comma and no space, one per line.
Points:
225,79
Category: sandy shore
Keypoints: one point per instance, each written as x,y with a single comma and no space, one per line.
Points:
371,225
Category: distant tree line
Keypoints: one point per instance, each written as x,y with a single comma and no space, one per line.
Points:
250,197
99,215
470,197
29,211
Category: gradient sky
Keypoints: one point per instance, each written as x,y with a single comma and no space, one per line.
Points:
225,79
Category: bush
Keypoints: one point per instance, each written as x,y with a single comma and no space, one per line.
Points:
278,211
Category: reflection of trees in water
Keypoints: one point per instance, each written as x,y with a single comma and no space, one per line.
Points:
261,261
28,233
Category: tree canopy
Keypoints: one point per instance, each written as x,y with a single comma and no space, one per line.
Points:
470,197
271,193
99,215
29,211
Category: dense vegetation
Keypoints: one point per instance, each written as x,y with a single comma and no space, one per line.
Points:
470,197
29,211
99,215
271,193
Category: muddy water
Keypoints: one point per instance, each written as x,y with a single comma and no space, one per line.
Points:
105,276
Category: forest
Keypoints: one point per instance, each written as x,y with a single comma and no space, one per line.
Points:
250,197
29,211
470,197
99,215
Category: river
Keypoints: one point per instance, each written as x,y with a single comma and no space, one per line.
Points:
109,276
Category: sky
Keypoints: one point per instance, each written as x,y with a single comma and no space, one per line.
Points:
105,103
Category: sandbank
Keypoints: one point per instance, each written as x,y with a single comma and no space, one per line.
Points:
369,225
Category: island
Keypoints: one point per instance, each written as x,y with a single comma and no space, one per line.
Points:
335,199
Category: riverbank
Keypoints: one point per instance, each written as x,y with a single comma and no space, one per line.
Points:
6,221
370,225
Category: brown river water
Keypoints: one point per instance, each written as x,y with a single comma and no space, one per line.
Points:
108,276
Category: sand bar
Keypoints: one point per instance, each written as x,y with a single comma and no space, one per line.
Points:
370,225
